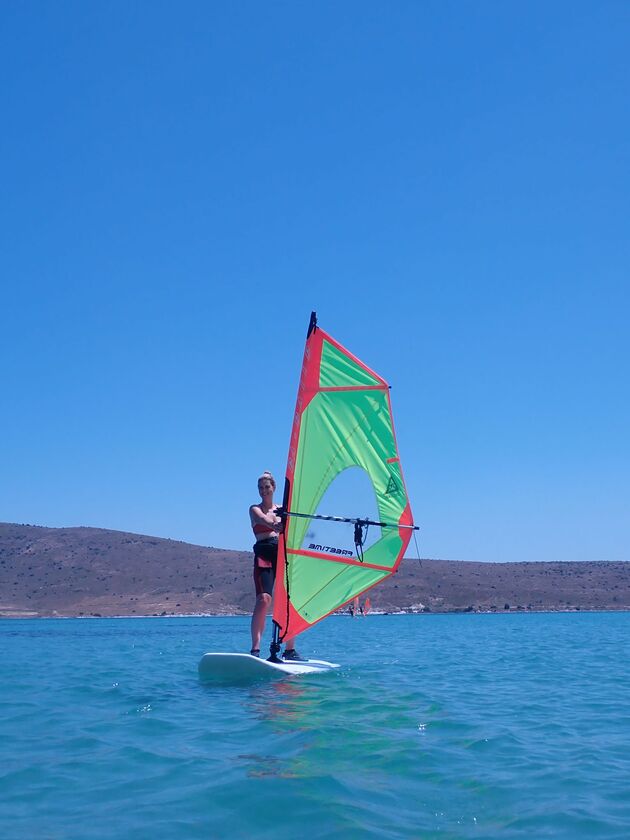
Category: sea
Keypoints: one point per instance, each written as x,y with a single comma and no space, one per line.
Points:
435,726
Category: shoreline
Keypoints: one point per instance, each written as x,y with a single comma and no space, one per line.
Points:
19,615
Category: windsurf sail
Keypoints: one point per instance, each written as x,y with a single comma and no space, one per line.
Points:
347,516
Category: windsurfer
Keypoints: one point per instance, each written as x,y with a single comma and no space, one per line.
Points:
266,525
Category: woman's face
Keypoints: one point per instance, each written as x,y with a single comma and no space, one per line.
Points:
265,487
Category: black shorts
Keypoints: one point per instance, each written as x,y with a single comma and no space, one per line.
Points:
265,560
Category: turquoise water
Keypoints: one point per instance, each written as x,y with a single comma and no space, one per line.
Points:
437,726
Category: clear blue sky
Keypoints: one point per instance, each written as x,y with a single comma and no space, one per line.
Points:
447,183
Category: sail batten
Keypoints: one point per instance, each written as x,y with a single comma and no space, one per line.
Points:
342,451
354,388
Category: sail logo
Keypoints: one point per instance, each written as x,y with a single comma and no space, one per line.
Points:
392,486
330,549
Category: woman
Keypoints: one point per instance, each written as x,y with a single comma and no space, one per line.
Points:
266,525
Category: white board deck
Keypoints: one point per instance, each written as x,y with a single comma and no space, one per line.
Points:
242,667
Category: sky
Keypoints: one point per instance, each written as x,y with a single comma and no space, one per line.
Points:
446,183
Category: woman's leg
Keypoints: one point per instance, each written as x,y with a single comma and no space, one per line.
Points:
258,618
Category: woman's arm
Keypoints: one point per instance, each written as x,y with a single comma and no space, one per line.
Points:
259,518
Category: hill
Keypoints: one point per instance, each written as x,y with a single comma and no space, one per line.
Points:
96,572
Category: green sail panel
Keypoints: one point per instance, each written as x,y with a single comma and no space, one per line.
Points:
341,429
315,583
339,370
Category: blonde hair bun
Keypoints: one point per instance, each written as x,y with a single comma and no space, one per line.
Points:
267,475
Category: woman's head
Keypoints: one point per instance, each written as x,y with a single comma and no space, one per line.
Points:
266,482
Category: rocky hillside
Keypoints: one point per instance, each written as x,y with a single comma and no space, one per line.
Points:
92,572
